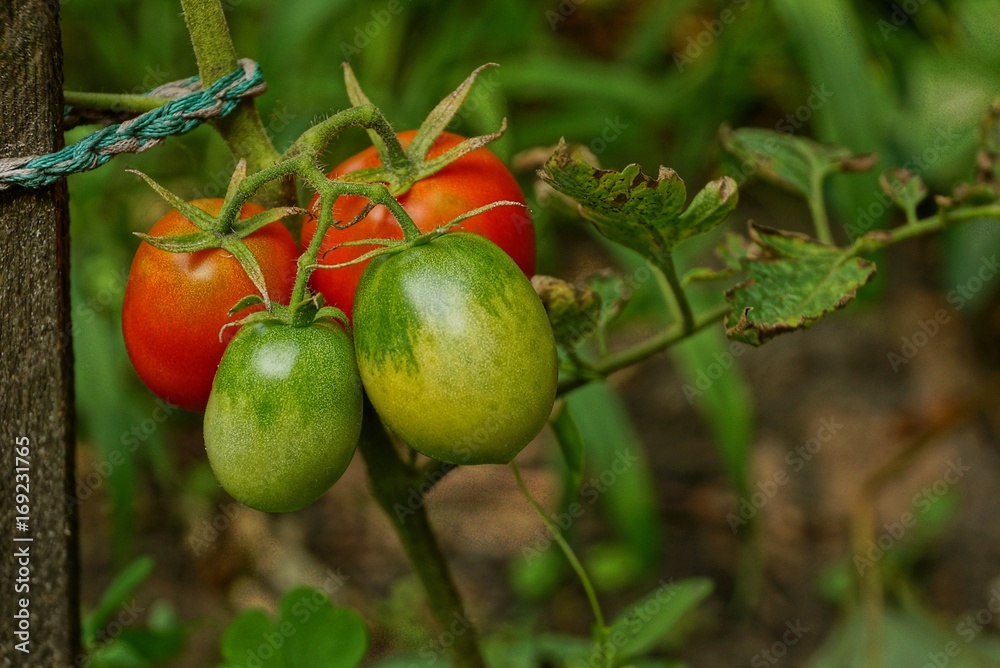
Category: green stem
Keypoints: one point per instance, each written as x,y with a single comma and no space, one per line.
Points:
392,483
314,140
137,104
377,193
675,293
817,208
648,348
866,244
574,562
242,130
876,241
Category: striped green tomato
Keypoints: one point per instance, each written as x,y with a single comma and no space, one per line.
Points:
455,350
284,414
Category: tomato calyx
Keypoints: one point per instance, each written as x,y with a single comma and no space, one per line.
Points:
225,231
302,314
390,246
402,167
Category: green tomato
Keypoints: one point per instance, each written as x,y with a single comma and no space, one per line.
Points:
284,415
455,350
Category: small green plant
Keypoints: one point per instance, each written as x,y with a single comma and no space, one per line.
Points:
121,633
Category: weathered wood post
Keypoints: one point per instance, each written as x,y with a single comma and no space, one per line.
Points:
39,606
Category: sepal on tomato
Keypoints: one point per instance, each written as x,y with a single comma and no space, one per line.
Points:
245,303
225,231
400,172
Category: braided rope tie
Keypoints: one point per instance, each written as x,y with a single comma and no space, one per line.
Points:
190,107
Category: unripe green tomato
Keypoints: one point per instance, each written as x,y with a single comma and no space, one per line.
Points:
455,350
284,415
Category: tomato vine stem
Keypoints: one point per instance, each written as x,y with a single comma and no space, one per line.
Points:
677,297
574,562
138,104
242,130
392,482
817,208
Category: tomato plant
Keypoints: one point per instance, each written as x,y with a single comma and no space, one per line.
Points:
176,303
284,415
475,179
455,350
424,241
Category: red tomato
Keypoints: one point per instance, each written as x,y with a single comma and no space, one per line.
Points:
176,303
474,180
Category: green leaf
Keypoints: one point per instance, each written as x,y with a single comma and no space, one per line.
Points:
115,654
905,188
249,633
709,208
612,293
245,303
635,210
310,632
793,281
441,116
239,174
731,250
182,243
644,625
611,566
201,219
795,163
705,275
618,474
911,635
536,574
358,98
573,312
247,226
248,261
571,444
121,587
323,635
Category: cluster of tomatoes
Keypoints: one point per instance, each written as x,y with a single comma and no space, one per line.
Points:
448,339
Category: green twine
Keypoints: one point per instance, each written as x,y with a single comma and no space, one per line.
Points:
193,107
